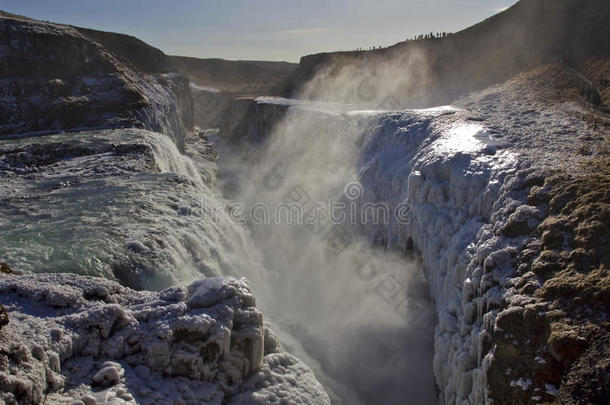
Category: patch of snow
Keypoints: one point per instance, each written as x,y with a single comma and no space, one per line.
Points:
204,88
524,383
551,389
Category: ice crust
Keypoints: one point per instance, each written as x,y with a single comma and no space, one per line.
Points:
75,338
461,185
470,218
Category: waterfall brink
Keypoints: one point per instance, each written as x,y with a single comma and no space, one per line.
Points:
170,160
120,204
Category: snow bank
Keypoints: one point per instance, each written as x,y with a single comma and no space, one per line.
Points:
82,340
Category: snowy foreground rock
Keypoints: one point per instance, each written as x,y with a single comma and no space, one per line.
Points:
82,340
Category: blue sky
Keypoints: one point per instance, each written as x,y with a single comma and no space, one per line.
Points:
262,29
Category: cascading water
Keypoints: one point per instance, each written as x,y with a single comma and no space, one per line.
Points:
121,204
435,180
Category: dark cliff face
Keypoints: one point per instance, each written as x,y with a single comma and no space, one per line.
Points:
56,78
243,77
529,33
130,51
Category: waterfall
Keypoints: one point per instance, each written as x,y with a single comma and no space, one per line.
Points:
353,298
363,233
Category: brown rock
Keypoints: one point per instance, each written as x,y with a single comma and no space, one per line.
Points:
566,344
3,316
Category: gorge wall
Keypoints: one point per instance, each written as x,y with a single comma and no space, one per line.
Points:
125,194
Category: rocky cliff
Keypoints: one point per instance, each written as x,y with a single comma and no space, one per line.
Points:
502,207
56,78
216,83
251,120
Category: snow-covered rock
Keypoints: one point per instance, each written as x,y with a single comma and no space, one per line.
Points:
74,338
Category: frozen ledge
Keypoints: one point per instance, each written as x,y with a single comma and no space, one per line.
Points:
474,208
82,340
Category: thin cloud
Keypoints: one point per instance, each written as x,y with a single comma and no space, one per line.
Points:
304,31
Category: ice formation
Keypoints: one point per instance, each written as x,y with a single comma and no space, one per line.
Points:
465,194
127,205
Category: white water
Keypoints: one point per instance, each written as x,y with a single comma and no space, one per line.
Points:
360,314
146,218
